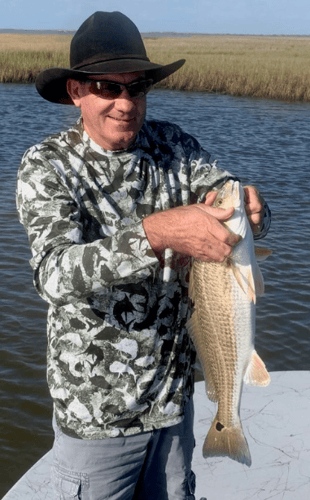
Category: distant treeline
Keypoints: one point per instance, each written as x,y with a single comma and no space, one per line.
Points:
255,66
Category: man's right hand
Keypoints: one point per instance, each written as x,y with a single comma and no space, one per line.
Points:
194,230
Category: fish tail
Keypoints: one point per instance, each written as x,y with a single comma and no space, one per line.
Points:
226,441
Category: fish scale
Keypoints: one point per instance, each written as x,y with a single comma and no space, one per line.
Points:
219,339
223,328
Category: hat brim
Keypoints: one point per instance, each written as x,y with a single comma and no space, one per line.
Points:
52,83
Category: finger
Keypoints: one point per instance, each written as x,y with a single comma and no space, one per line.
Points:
255,219
252,200
215,227
254,208
220,214
256,227
210,198
214,252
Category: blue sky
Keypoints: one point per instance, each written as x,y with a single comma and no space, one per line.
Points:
273,17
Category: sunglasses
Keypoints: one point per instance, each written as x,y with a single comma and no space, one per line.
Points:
112,90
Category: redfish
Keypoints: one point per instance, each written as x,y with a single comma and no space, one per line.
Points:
223,328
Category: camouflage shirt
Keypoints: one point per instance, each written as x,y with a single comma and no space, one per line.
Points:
119,358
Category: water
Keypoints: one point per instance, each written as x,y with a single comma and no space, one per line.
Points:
264,142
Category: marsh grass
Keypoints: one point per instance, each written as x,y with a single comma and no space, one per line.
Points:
22,57
268,67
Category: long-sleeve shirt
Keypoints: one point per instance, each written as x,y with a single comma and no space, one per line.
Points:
119,357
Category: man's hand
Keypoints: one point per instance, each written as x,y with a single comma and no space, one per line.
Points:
194,230
254,208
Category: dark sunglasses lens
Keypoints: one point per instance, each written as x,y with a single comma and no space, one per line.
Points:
106,89
139,89
112,90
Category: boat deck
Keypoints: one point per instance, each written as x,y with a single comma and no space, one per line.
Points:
276,424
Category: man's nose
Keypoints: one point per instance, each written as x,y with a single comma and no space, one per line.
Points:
125,101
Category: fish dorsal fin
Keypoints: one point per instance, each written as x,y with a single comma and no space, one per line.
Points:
256,373
262,254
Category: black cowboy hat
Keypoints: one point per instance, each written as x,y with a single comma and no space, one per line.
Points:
106,43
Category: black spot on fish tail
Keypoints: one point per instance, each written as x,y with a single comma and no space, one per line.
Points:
224,441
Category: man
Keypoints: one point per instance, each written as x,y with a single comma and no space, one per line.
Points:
114,209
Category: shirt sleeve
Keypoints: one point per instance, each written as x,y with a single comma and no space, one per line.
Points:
66,268
266,223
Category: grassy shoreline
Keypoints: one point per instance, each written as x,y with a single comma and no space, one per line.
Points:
265,67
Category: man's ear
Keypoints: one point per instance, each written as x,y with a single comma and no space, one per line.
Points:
74,90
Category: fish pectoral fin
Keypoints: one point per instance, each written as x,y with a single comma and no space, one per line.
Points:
256,373
259,282
246,282
262,254
224,441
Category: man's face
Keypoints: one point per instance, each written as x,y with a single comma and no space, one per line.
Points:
111,123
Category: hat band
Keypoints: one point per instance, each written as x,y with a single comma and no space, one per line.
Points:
99,59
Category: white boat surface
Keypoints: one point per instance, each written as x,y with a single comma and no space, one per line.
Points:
276,424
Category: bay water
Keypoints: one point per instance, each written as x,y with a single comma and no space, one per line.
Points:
263,142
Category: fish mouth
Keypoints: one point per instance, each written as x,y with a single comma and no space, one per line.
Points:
229,194
233,192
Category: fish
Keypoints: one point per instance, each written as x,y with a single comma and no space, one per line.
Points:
222,327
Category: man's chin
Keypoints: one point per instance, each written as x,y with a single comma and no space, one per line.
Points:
123,141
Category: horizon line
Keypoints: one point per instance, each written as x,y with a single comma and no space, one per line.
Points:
151,33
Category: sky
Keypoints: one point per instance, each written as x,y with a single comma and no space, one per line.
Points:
254,17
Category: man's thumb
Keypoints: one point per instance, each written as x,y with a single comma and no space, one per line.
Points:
210,198
223,213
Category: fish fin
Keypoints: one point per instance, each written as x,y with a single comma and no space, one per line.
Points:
246,282
256,373
198,366
262,254
259,282
251,286
191,290
193,328
224,441
211,392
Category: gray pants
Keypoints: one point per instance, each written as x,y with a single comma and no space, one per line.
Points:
150,466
